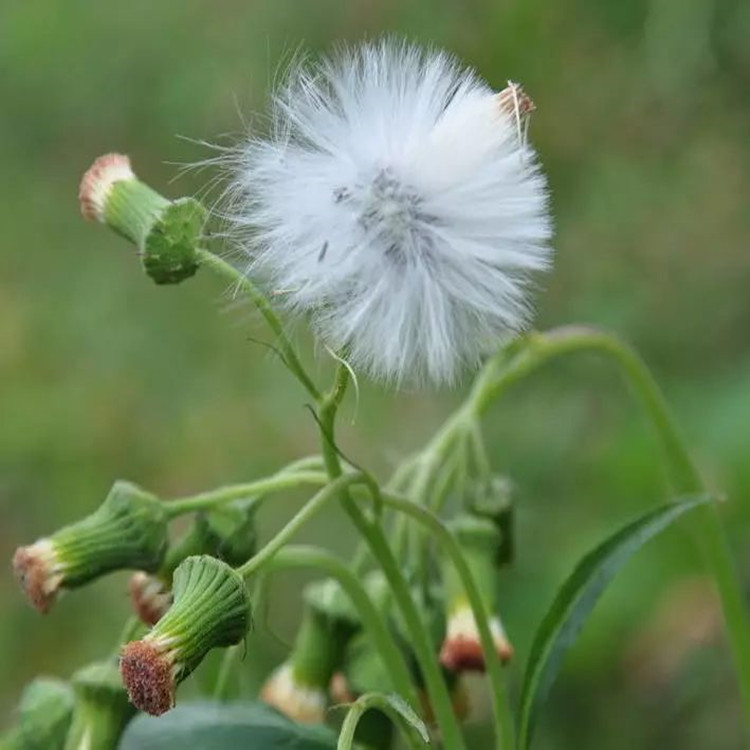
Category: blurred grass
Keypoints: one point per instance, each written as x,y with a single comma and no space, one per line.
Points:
642,123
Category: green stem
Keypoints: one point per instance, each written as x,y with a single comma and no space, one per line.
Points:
330,565
223,679
373,535
229,272
435,527
527,355
382,703
284,480
287,533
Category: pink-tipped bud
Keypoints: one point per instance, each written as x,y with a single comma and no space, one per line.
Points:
97,183
302,703
37,570
150,597
462,648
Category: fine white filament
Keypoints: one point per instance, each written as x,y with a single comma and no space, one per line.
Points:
398,206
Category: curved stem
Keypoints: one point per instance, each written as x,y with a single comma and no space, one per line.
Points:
525,356
284,480
308,510
436,528
229,272
313,557
383,703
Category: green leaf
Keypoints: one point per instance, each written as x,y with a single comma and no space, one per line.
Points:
205,725
575,601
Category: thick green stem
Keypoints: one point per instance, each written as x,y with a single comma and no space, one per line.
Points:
373,535
229,272
284,480
435,527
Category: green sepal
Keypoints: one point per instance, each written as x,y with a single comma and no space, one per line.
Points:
328,623
492,499
102,709
169,250
211,609
479,540
127,531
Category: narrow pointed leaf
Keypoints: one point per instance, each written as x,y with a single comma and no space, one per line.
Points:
577,598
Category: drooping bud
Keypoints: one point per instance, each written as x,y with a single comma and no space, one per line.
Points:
102,709
226,533
299,687
492,499
166,232
462,649
128,531
44,716
211,609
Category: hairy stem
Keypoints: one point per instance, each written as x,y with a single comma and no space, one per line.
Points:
284,480
242,282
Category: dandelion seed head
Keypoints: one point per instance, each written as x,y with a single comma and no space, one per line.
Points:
397,203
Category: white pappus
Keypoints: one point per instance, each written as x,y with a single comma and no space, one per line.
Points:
397,204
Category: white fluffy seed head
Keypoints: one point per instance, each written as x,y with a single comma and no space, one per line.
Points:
398,206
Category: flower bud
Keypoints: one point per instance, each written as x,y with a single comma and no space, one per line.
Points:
44,716
462,649
299,687
102,709
211,609
493,499
129,530
227,533
167,233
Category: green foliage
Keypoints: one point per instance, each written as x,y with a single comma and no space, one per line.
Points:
218,726
577,598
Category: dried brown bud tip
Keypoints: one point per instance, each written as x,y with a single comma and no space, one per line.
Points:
514,101
148,674
462,648
150,597
34,567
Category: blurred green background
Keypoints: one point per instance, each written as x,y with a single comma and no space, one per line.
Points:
643,122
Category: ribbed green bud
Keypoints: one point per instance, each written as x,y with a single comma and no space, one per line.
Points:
102,709
44,715
493,499
128,531
226,533
166,232
461,651
299,687
211,609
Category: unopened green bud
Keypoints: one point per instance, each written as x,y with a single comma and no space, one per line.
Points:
102,709
166,232
227,533
127,531
299,687
44,716
211,609
462,649
492,499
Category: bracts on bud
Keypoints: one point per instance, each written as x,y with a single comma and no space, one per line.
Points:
166,232
211,609
299,687
128,531
462,648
